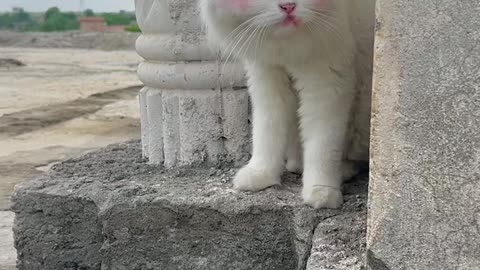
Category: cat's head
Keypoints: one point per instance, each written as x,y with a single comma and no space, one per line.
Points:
258,28
275,15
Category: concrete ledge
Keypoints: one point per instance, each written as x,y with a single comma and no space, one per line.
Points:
111,210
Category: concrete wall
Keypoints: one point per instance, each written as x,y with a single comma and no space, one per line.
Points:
425,173
190,113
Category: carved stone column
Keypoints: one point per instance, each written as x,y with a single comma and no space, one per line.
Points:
190,114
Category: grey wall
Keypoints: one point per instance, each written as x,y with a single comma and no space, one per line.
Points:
425,189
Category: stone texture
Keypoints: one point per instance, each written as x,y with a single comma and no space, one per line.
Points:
112,210
193,105
154,125
192,127
339,241
425,189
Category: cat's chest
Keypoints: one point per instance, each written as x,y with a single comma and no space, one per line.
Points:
296,51
287,53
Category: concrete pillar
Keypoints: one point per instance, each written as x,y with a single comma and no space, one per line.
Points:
425,147
190,113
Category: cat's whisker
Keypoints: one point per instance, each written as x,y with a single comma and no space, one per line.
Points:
308,28
325,25
238,28
239,39
323,15
264,22
245,36
235,33
243,41
328,19
240,36
235,39
263,28
246,44
323,11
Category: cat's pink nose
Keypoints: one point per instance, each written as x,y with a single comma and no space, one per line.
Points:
288,7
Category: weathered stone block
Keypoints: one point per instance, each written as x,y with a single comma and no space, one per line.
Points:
425,171
112,210
57,231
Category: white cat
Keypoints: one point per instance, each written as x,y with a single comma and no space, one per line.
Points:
326,47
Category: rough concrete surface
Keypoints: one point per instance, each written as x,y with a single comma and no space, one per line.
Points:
112,210
339,241
425,190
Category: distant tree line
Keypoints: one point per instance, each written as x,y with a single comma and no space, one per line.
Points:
56,20
17,19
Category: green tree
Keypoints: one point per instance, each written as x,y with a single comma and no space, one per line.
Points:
88,13
55,20
51,12
117,19
18,19
21,16
5,21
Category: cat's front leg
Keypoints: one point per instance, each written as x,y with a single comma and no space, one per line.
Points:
274,109
326,97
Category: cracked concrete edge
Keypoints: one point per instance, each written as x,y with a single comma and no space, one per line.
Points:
118,178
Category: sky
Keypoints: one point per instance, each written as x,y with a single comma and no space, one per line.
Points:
69,5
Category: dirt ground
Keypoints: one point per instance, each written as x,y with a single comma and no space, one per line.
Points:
57,104
74,39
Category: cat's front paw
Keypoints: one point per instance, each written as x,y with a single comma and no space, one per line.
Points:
251,179
322,197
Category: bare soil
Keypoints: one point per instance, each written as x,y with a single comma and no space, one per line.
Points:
60,103
74,39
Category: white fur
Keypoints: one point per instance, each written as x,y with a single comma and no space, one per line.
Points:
329,57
